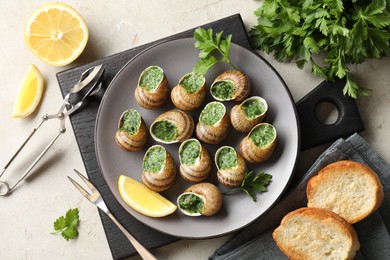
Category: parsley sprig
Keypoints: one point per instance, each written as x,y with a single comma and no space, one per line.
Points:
212,49
327,34
253,184
67,225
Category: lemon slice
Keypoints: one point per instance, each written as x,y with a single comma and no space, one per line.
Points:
144,200
56,34
30,93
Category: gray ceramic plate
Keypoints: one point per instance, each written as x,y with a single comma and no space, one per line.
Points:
177,58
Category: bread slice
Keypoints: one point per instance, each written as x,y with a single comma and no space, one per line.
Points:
350,189
310,233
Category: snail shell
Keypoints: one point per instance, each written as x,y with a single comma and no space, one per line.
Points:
159,169
205,193
154,95
239,113
189,99
261,150
199,166
216,130
133,135
237,80
230,174
179,125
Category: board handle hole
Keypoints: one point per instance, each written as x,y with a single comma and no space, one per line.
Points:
327,113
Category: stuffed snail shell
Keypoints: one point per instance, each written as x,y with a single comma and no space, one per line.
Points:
248,114
153,88
172,126
200,199
231,85
131,134
214,123
195,161
231,166
259,144
159,169
190,92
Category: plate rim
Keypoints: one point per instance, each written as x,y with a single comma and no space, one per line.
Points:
165,41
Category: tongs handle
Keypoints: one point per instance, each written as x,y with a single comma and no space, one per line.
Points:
4,187
21,147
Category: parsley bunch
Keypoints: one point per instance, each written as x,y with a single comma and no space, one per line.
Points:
67,224
212,49
345,31
253,184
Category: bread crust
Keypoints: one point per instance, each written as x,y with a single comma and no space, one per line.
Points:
355,170
320,215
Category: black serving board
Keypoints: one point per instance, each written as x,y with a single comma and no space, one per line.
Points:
83,124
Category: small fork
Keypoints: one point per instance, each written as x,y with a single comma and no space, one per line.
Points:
97,199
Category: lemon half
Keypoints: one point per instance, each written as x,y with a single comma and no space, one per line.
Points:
30,93
142,199
56,34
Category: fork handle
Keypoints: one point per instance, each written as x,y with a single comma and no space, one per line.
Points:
144,253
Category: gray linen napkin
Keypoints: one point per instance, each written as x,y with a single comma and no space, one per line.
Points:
255,241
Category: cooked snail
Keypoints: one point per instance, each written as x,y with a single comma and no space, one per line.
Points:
159,169
153,89
131,134
259,144
190,92
214,123
231,85
172,126
248,114
231,166
200,199
195,161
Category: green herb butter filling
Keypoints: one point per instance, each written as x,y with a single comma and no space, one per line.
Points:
151,78
212,113
263,135
253,108
222,90
192,82
191,203
165,130
227,158
189,152
131,122
154,159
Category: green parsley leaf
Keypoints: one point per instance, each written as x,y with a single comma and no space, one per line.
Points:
212,49
347,32
253,184
67,225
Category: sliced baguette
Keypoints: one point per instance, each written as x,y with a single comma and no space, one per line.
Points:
350,189
310,233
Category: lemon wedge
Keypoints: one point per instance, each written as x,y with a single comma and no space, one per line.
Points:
142,199
56,34
30,93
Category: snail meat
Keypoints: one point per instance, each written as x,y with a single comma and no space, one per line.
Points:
153,89
214,123
190,92
248,114
131,134
231,85
231,166
195,161
259,144
200,199
159,169
172,126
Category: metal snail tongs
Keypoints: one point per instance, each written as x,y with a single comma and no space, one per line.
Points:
90,83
